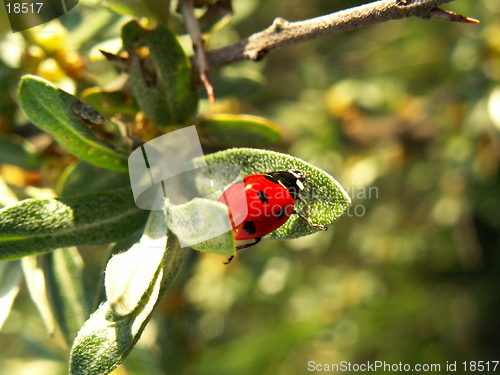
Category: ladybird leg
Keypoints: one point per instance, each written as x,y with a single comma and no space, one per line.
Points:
309,222
313,195
304,203
241,247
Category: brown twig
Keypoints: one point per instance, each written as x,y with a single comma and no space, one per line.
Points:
186,8
283,33
450,16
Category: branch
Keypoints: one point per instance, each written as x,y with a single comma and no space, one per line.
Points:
283,33
186,8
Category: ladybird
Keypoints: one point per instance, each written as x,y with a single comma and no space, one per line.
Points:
261,203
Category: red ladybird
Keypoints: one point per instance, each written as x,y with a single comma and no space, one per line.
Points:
263,204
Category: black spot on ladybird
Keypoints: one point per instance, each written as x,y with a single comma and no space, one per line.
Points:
281,213
263,197
249,227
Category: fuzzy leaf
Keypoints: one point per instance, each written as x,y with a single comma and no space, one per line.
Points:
36,226
198,219
37,288
50,109
82,178
66,289
161,82
10,278
327,200
129,274
119,247
107,337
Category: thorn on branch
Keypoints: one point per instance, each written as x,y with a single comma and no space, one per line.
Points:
450,16
257,55
279,24
260,55
122,61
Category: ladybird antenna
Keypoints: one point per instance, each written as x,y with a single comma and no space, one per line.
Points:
309,173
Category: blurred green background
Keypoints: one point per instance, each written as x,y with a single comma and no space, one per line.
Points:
405,114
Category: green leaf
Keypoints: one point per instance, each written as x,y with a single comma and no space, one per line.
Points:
37,288
111,102
10,278
152,9
217,15
18,152
65,285
238,131
107,337
36,226
198,219
162,82
50,109
327,200
81,178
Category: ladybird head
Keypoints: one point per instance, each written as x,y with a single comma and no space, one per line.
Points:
292,179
